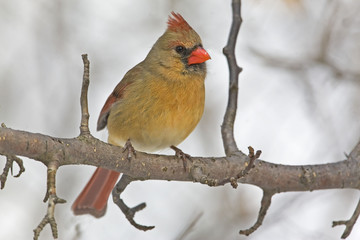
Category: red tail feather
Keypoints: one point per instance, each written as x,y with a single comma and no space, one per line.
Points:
93,199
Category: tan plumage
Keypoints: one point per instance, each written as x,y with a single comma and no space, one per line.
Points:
157,104
156,112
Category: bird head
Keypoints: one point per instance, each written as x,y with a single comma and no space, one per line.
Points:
179,49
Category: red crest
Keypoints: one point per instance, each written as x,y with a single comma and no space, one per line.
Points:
177,23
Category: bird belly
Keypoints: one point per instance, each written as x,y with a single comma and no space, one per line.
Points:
163,118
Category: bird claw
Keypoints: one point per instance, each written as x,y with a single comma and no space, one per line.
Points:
130,149
180,154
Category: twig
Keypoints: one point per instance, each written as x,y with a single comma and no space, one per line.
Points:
124,181
349,224
10,159
227,127
52,199
129,213
84,126
252,157
265,204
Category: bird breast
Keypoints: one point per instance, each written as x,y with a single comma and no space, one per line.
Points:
157,113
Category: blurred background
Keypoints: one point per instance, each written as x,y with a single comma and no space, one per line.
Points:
298,102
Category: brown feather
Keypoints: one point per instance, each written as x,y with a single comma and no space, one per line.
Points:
116,95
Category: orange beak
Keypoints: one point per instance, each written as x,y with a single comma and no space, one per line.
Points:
199,55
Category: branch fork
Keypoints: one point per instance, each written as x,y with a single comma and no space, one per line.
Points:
52,200
349,224
248,166
10,159
129,213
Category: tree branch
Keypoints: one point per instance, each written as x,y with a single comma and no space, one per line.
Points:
266,175
52,199
349,224
227,127
129,213
84,126
9,166
10,159
265,204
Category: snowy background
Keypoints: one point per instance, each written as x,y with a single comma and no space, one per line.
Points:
298,102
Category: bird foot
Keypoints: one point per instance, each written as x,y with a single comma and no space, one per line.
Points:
180,154
130,149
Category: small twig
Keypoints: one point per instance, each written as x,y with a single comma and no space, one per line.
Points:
227,127
52,199
250,165
84,126
128,212
252,157
349,224
9,166
265,204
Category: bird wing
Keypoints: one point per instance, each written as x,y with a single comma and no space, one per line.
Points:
118,93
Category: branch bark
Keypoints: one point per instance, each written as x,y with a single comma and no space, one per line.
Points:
266,175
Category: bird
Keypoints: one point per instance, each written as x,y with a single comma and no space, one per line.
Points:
156,105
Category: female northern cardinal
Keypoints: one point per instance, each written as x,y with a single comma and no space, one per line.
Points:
156,105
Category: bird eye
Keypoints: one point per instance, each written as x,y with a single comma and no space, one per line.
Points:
179,49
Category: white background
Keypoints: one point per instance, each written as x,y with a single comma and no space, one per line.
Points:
296,109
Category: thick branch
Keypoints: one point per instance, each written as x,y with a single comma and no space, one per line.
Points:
268,176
